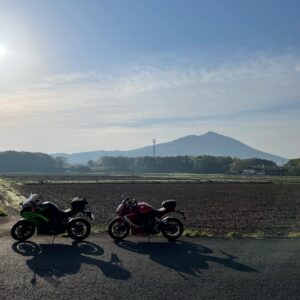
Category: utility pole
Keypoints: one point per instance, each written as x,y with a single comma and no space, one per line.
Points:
154,142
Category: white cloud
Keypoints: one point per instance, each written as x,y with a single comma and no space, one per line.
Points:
92,110
66,78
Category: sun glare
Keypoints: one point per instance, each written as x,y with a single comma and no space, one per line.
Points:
2,51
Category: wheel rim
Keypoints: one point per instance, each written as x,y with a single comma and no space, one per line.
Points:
23,231
119,229
79,229
173,229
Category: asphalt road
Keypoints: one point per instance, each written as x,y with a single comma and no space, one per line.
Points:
195,268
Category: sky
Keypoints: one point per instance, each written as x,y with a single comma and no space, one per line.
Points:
90,75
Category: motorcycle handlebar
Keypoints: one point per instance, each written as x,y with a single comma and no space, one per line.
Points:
129,202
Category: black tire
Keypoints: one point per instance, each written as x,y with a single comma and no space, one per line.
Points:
172,229
22,230
118,230
79,229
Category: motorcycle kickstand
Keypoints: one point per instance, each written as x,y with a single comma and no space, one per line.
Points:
54,236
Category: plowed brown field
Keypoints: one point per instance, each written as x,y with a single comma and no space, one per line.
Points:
217,208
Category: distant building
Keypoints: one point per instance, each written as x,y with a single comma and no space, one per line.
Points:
248,172
254,172
261,173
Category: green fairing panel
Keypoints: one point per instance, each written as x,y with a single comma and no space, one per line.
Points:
34,217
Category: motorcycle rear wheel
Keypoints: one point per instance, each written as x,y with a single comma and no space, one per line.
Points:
173,229
118,230
79,229
22,230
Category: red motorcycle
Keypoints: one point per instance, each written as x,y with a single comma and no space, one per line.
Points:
142,218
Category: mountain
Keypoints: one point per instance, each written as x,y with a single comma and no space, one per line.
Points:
210,143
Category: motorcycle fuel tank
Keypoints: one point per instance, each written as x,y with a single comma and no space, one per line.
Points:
144,208
49,210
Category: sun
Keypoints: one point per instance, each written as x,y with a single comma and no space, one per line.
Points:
2,51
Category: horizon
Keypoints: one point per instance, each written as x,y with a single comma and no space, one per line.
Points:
157,143
78,77
164,142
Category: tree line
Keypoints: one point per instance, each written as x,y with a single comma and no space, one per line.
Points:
293,167
204,164
13,161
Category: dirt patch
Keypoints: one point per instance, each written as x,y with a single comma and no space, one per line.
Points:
216,208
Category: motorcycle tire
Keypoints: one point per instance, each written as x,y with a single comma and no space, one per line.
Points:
79,229
168,228
22,230
113,234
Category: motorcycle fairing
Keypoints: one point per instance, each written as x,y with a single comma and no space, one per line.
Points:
34,217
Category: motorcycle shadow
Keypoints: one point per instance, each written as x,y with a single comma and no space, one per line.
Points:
184,257
54,261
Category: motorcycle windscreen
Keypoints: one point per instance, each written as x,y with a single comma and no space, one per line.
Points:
32,198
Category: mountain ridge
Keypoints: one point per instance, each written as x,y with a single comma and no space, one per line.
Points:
209,143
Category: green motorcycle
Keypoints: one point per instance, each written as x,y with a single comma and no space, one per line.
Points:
47,218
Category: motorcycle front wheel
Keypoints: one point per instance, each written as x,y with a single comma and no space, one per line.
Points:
79,229
22,230
118,229
172,229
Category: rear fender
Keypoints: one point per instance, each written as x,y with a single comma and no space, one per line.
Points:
182,213
90,215
163,222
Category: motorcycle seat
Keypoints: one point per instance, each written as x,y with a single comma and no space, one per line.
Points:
67,211
162,209
159,212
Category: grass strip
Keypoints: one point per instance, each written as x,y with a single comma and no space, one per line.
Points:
194,233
